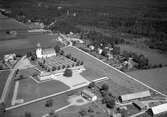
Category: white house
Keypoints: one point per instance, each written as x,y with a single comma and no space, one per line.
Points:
45,53
100,50
88,95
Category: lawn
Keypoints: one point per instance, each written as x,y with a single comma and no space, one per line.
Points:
3,78
155,78
29,89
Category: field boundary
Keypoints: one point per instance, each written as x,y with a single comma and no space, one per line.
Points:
121,72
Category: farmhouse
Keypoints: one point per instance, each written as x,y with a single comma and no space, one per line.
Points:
158,109
44,53
88,95
9,57
132,96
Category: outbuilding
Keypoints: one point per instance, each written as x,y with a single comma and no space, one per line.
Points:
133,96
156,110
140,105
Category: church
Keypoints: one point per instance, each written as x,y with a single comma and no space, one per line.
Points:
44,53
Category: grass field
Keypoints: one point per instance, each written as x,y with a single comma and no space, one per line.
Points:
119,79
3,78
29,89
155,78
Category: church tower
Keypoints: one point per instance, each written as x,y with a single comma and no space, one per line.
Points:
39,51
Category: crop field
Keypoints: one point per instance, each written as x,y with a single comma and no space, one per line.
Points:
155,78
3,78
117,78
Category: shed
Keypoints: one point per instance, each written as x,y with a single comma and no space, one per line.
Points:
139,105
133,96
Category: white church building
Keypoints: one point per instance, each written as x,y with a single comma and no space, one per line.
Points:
44,53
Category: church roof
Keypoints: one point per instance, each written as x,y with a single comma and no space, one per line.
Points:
48,51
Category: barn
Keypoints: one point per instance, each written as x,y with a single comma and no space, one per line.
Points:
133,96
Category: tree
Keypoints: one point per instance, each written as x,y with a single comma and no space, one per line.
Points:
109,101
28,114
83,112
52,113
63,66
57,48
33,57
81,63
68,73
116,50
61,52
105,87
49,103
29,54
1,67
91,85
53,68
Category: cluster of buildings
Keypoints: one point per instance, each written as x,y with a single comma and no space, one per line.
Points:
134,97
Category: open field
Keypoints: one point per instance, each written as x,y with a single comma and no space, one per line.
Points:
9,24
29,89
38,109
154,56
155,78
21,46
3,78
118,78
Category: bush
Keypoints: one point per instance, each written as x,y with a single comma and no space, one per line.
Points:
49,103
68,73
83,112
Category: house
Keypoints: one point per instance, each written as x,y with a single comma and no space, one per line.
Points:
45,53
9,57
156,110
91,47
88,95
133,96
99,50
